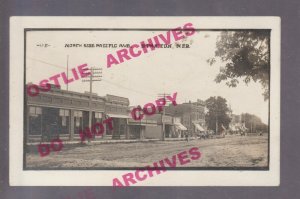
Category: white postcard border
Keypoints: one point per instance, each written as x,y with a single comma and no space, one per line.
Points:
19,177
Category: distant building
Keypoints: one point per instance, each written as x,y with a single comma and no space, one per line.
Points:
236,125
191,114
144,128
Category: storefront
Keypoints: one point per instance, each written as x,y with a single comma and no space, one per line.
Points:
192,116
117,108
119,130
180,130
198,129
60,114
140,129
46,123
169,126
157,131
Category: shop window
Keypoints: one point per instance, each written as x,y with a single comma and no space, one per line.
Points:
108,130
64,121
63,112
77,113
97,118
33,111
35,125
35,120
78,121
98,115
50,123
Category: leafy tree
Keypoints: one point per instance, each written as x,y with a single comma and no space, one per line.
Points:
254,122
245,55
217,110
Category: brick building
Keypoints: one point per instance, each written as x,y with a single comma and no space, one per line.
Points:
63,114
191,114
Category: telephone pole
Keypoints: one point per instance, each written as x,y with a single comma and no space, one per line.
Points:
96,74
163,115
216,124
67,71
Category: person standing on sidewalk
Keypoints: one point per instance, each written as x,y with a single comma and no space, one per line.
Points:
187,136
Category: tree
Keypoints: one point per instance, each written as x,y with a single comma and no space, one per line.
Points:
245,55
217,113
254,123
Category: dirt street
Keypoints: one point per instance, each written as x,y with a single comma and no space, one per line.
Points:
232,151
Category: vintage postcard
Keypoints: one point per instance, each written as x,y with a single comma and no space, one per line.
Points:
144,101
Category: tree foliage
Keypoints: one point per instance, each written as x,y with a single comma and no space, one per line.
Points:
254,122
245,55
217,110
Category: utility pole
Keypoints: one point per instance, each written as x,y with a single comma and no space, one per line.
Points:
216,123
67,71
163,115
96,74
251,125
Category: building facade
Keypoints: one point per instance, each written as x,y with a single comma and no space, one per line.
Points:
117,108
236,125
63,114
191,114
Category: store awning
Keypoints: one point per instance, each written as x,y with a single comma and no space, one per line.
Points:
117,116
180,126
198,127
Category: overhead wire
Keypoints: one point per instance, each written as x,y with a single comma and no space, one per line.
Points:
110,82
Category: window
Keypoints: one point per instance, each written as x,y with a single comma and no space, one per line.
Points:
98,115
65,121
34,111
35,120
63,112
77,113
78,121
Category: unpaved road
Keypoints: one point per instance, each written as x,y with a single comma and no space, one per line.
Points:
232,151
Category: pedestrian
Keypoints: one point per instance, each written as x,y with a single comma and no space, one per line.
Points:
187,136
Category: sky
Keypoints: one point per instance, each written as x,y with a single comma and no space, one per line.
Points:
141,79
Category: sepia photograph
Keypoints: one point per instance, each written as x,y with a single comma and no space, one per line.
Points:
218,81
148,98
